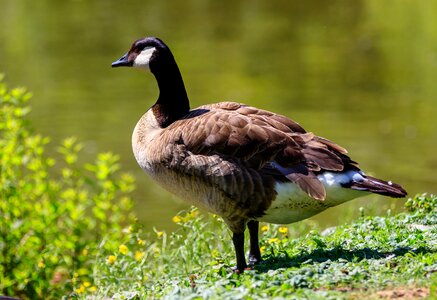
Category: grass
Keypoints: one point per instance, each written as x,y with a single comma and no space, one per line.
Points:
67,231
394,253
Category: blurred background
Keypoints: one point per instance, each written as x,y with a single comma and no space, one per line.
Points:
361,73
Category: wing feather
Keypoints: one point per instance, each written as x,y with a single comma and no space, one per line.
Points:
260,139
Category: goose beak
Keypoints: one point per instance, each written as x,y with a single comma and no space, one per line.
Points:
122,62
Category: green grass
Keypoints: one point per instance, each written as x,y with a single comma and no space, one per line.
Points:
67,231
349,261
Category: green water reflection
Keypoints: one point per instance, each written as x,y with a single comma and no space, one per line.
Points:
361,73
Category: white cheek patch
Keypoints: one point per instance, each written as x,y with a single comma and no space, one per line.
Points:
142,60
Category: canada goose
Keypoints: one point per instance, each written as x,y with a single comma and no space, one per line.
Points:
240,162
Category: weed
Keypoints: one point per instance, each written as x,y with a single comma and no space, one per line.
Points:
52,215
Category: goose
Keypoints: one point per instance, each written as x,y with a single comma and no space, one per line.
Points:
245,164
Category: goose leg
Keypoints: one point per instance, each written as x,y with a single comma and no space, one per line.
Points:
238,239
255,253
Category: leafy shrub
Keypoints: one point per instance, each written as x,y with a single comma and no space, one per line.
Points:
52,215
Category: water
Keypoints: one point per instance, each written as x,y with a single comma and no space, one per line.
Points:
361,73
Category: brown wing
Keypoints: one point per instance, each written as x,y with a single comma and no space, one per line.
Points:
260,140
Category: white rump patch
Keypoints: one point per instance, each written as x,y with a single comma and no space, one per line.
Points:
142,60
292,204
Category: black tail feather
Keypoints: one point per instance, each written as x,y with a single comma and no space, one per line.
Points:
378,186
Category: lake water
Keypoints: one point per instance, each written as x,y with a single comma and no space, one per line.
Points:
361,73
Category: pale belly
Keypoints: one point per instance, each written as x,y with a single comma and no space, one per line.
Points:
293,205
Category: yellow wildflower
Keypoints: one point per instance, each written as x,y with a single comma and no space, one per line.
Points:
80,290
93,288
160,233
141,242
85,252
41,264
264,228
87,283
194,213
176,219
111,259
273,240
123,249
283,230
262,249
138,255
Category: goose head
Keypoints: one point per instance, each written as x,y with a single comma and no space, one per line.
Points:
147,54
151,54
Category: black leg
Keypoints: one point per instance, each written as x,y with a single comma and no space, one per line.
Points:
254,254
238,239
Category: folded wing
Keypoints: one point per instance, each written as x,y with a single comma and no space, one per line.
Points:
262,141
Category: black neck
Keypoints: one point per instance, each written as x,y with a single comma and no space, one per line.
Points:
172,103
